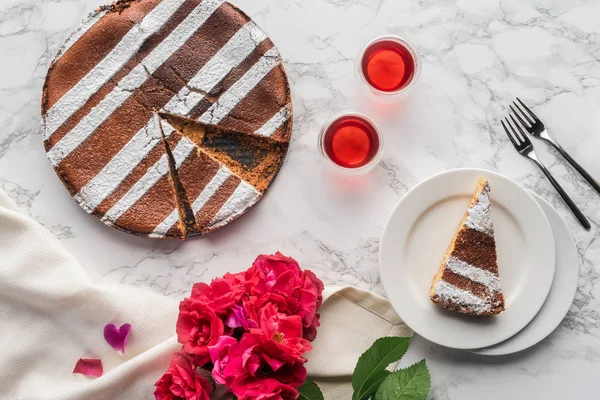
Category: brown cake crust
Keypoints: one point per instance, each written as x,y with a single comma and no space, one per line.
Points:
253,91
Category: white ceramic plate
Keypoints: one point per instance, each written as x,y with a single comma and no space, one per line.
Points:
417,235
561,294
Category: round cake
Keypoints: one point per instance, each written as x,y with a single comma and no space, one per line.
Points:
167,118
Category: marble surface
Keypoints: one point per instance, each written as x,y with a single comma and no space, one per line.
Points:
477,56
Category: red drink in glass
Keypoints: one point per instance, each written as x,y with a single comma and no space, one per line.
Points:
389,65
351,141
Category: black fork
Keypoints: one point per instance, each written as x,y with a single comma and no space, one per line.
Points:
536,127
524,146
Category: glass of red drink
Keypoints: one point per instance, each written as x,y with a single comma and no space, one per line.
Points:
389,66
351,143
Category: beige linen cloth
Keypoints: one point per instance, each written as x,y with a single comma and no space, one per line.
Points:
52,314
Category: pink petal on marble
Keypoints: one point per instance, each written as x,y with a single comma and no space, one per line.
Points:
117,337
88,367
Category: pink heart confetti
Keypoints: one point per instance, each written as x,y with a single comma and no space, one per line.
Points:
88,367
117,337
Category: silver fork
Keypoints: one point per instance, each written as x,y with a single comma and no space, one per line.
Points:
536,127
524,146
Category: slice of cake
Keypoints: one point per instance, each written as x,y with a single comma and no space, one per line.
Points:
468,280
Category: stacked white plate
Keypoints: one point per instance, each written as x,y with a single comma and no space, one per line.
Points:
537,261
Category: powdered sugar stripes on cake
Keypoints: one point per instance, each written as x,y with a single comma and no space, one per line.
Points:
121,165
129,45
157,171
272,125
489,280
228,100
242,87
479,217
114,171
132,81
209,190
213,186
462,298
152,175
229,56
242,197
236,93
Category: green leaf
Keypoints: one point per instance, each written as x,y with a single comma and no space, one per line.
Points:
310,391
411,383
372,384
368,371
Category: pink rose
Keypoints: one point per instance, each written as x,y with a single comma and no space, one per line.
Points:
246,367
273,273
182,382
281,337
221,294
220,358
198,327
278,279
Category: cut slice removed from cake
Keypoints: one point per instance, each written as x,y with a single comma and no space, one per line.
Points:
467,280
254,158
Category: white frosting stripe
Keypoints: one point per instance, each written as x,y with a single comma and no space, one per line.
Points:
460,297
479,216
120,166
486,278
243,197
272,125
131,42
133,80
211,188
87,24
229,56
215,184
162,228
153,175
241,88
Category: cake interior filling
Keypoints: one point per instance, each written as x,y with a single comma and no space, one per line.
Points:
255,159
